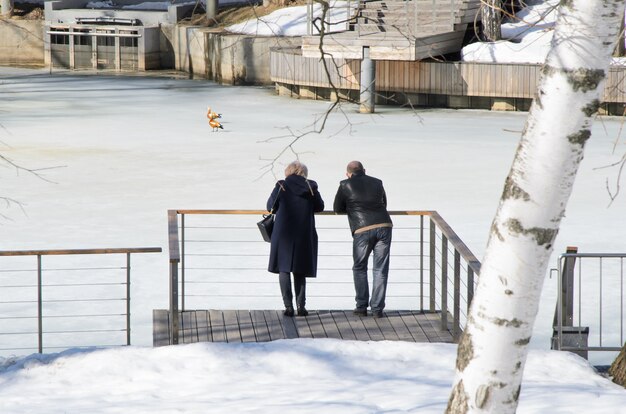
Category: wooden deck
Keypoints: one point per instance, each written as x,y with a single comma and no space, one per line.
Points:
402,30
270,325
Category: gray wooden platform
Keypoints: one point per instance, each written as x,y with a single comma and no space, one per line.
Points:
270,325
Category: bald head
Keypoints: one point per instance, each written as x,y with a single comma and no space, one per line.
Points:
354,166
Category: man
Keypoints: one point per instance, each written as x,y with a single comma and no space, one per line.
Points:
363,198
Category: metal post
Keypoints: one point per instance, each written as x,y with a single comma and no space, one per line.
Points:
456,325
174,302
127,298
39,306
368,83
444,282
421,263
433,271
470,286
182,261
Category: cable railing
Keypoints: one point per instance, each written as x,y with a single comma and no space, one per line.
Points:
59,299
218,261
589,314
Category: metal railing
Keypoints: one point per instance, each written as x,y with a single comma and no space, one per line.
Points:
589,314
71,298
218,259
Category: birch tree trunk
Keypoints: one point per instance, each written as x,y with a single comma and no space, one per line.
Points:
491,18
6,8
494,346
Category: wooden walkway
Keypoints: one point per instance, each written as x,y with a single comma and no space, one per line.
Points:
270,325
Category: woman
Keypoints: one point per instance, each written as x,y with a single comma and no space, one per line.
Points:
294,239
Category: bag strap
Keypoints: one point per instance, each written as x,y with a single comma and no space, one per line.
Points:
277,196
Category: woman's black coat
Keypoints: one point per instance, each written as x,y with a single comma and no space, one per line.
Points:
294,239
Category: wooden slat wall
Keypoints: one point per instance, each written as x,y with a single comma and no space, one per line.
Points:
454,78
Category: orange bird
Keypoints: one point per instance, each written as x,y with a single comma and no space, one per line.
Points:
212,115
215,125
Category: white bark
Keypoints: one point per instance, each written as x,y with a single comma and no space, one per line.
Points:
6,8
494,346
491,18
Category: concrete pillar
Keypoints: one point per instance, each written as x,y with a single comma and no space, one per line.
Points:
368,83
211,9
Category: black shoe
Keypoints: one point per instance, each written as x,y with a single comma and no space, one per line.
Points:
288,311
378,315
360,311
302,312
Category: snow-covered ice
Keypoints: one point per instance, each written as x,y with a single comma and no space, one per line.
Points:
133,147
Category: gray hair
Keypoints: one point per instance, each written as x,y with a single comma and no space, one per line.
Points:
297,168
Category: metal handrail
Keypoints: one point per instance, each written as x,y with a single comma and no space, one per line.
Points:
454,246
570,296
63,252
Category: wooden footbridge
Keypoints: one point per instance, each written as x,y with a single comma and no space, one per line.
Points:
217,259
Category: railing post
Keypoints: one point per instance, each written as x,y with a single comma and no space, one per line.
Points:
174,302
172,224
433,263
456,328
470,286
444,282
127,298
182,262
39,307
421,263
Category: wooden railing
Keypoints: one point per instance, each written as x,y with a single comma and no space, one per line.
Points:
217,257
49,292
502,80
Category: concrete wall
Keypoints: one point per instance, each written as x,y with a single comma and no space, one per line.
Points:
21,42
226,58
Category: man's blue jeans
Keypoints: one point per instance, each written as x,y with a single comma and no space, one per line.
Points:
376,240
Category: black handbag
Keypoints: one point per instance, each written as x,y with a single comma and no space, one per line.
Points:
267,224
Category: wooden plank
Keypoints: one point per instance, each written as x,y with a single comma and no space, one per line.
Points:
303,327
413,326
357,326
435,321
202,323
188,332
372,329
261,330
289,327
315,325
160,327
328,322
246,329
274,325
343,325
385,327
218,330
429,330
231,326
395,320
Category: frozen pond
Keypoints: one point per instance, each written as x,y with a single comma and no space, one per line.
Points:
129,148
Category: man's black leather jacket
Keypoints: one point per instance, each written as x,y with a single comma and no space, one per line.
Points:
363,198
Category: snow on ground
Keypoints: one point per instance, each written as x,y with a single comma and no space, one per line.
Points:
132,147
292,21
292,376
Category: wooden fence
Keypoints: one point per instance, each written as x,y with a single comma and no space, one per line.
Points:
288,66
